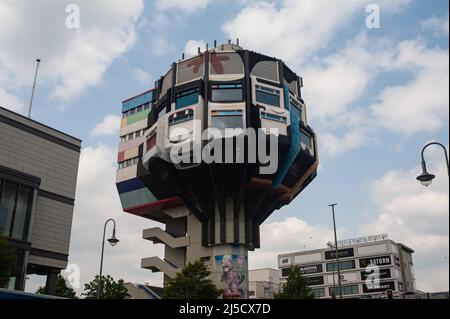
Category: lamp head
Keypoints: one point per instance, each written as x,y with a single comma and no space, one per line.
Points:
113,241
425,178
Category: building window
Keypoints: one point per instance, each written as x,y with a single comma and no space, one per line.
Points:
227,119
226,93
15,209
348,264
346,290
305,139
186,98
251,293
267,95
285,272
318,292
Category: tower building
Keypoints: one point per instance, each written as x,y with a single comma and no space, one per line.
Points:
213,189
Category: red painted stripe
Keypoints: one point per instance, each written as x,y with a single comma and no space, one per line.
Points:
120,156
154,206
130,98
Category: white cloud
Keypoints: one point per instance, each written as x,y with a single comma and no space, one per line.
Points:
10,101
108,126
192,46
423,103
294,30
141,76
289,235
96,201
417,217
185,6
72,59
438,26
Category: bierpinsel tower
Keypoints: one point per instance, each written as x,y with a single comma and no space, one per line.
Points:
212,192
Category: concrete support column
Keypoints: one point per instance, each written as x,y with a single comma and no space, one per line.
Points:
230,270
50,283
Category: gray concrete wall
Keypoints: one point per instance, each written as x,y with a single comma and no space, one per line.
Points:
33,148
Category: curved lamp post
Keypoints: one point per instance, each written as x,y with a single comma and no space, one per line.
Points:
337,253
112,241
426,178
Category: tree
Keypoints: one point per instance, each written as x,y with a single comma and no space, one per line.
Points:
62,289
110,289
192,283
7,261
296,286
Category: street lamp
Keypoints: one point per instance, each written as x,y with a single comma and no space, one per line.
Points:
113,242
337,255
426,178
333,296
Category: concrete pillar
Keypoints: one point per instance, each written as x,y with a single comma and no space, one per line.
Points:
50,283
229,270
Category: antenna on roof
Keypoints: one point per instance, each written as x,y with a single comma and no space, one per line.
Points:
215,43
198,50
182,56
229,41
34,86
237,41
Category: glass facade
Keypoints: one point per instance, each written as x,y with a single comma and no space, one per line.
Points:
15,209
346,290
305,139
318,292
226,93
227,119
348,264
267,95
186,98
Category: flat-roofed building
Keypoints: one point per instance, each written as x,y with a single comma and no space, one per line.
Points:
263,283
369,267
38,174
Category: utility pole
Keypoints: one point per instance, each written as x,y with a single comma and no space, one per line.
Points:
337,255
34,86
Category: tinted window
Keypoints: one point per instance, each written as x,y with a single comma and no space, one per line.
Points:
186,98
226,93
267,95
349,264
221,121
15,209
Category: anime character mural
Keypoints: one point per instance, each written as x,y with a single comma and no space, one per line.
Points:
234,273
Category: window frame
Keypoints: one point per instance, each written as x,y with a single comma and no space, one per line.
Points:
265,89
184,94
225,87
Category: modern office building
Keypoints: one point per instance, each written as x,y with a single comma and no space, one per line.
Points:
38,174
263,283
212,210
369,266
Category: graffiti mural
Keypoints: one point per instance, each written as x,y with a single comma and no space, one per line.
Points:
233,276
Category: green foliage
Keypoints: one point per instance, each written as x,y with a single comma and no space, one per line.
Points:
62,289
7,261
192,283
110,289
296,287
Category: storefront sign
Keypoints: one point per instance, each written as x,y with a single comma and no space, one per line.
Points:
314,281
311,269
342,253
379,261
382,286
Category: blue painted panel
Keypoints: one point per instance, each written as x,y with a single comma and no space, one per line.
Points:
129,185
295,143
136,101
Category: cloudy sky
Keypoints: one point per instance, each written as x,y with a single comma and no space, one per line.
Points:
375,97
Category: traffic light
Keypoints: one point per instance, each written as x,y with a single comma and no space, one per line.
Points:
389,294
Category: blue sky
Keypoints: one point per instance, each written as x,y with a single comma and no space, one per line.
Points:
374,96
